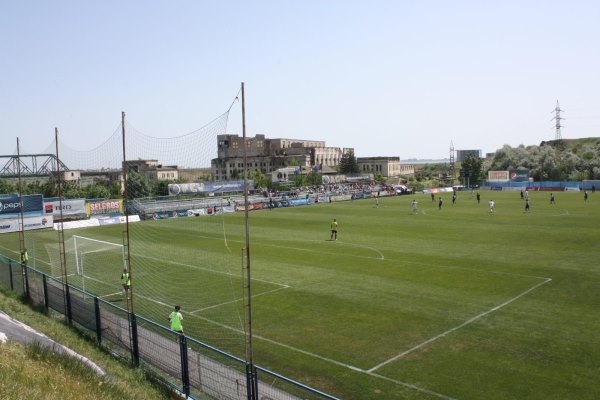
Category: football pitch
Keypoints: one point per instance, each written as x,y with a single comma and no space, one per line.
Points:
457,303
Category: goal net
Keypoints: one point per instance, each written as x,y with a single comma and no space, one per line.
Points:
187,248
93,265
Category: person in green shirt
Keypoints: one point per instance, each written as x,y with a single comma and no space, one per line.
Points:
175,319
334,230
24,257
126,282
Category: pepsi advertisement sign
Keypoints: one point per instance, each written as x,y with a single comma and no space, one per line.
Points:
519,175
10,206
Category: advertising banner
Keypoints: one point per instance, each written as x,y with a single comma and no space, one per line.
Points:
300,202
95,222
519,175
208,187
498,176
104,207
85,223
29,223
117,220
255,206
70,208
10,206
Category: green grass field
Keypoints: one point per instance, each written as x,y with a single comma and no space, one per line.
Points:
452,304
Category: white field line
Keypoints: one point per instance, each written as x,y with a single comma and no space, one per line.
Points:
98,241
339,363
111,294
238,300
411,386
156,301
564,213
441,266
381,257
110,285
342,243
208,269
241,331
11,250
307,353
467,322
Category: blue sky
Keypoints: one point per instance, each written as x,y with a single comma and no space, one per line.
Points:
388,78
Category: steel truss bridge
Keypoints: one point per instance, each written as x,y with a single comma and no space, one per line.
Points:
30,165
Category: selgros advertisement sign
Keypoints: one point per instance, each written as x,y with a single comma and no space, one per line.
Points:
10,206
70,208
208,187
104,207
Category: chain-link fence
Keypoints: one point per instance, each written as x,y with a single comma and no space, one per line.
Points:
189,366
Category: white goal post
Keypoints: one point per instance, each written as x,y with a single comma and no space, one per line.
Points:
83,245
89,259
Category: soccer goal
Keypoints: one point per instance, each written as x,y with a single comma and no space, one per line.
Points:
92,264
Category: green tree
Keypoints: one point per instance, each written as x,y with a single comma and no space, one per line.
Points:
50,189
138,186
545,163
315,178
260,179
300,180
97,191
7,187
160,188
348,164
70,190
377,177
471,169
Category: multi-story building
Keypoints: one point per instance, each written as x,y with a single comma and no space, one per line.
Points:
386,166
152,170
268,155
461,155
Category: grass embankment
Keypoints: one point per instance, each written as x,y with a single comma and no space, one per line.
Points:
34,372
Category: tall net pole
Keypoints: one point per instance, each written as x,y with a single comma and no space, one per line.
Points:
452,170
126,204
250,372
61,234
21,221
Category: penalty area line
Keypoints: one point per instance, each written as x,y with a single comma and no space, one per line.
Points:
308,353
237,300
206,269
411,386
111,294
467,322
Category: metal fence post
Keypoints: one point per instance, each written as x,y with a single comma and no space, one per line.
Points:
45,286
68,305
25,280
135,352
10,275
98,320
251,382
185,375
